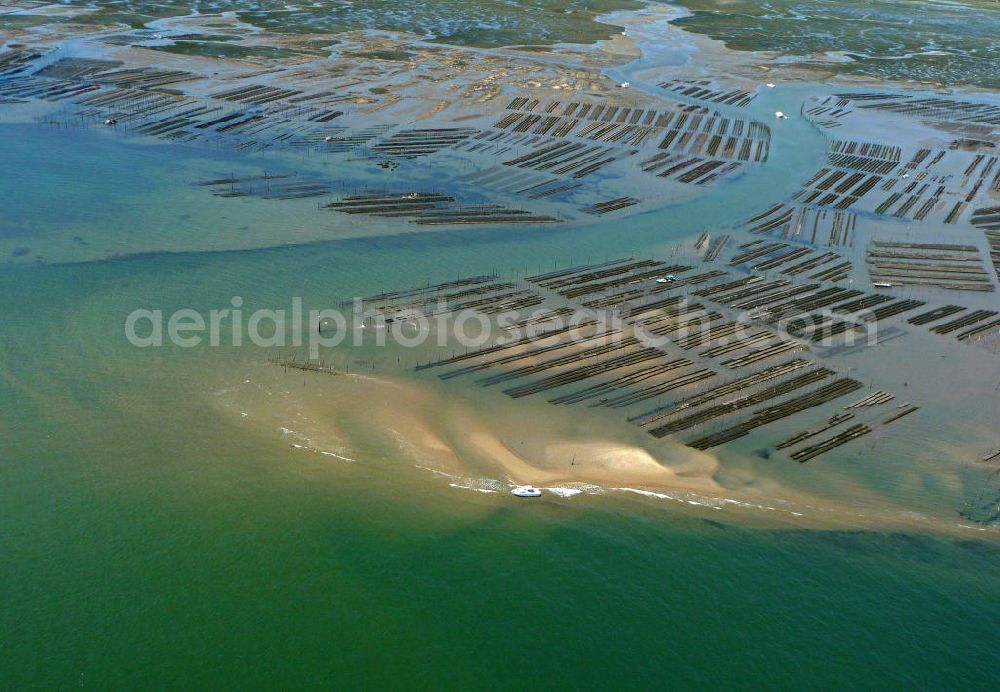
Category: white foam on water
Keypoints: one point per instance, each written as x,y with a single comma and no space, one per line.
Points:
492,486
338,456
479,485
465,487
647,493
308,444
717,503
571,489
436,472
563,492
974,528
687,498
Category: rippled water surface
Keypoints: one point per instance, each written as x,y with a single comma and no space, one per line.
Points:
150,540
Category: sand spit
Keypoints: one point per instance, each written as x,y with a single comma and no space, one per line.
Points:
397,427
354,415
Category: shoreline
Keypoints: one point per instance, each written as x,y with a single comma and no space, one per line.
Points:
610,460
459,450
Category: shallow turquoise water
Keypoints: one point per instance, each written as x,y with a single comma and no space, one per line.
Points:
149,542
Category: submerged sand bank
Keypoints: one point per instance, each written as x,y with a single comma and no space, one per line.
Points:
399,427
353,414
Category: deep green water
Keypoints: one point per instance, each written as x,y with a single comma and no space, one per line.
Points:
149,542
184,569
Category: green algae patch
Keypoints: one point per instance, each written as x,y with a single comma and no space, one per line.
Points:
225,50
893,40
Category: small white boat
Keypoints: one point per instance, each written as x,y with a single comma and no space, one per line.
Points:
780,116
526,491
882,284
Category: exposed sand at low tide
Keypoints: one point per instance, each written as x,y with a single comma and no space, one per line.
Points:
351,414
393,425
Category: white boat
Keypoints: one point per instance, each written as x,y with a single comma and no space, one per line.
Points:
526,491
